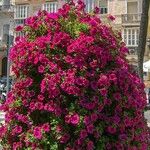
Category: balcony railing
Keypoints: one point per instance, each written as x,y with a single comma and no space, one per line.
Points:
131,18
6,8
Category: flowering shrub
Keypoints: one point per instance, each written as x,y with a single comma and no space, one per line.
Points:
74,89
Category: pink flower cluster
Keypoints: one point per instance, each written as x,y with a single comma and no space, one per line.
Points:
74,89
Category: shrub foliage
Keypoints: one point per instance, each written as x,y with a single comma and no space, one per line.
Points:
74,89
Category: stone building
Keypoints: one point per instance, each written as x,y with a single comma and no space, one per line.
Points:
6,32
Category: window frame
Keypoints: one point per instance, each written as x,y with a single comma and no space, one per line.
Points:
89,7
103,7
105,10
129,38
48,6
21,11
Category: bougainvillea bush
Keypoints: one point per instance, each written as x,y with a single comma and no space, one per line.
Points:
74,89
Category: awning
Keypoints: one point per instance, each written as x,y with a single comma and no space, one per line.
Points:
146,66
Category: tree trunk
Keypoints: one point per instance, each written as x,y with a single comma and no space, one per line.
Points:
143,36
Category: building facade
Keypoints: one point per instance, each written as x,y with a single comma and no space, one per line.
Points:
126,12
148,37
6,32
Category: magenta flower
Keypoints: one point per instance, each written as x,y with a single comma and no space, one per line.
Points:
46,127
64,138
17,145
112,77
111,130
94,117
40,97
83,134
96,10
86,120
90,145
90,128
19,28
53,16
18,129
103,80
110,17
68,119
75,119
41,69
103,92
37,133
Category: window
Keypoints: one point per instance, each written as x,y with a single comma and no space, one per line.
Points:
50,7
103,5
19,21
137,37
132,7
89,5
103,10
21,11
131,36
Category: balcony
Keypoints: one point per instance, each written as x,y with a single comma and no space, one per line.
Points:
131,18
6,8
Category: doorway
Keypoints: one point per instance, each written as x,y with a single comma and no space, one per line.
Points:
4,67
